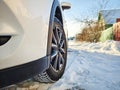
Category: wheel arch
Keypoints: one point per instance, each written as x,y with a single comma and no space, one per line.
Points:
55,12
58,14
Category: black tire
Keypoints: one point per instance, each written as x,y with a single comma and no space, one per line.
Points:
58,55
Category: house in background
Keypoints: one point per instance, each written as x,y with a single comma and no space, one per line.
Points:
107,18
116,28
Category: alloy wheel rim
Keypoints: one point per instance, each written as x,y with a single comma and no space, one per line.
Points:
58,49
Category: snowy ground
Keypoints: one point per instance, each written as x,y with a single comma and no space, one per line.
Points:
91,66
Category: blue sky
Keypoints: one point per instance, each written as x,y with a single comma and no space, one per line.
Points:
82,9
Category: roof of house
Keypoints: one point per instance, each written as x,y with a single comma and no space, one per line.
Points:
110,16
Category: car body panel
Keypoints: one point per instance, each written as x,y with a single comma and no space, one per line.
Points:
27,21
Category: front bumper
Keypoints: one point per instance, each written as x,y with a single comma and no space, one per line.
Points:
23,72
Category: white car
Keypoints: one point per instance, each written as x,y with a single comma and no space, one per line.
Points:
32,40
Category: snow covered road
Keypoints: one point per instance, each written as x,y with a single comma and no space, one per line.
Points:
91,66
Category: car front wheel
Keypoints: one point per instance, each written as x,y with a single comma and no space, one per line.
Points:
58,55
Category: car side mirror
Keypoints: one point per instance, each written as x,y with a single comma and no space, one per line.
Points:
65,5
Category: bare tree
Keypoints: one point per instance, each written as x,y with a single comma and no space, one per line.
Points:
93,29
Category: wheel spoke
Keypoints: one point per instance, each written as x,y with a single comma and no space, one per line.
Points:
54,46
54,39
62,43
62,50
57,34
59,62
62,59
60,37
54,54
56,63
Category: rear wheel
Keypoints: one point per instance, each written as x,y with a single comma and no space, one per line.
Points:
58,55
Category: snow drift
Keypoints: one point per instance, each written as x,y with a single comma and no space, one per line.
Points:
108,47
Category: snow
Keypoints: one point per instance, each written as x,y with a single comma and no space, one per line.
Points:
108,47
91,66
